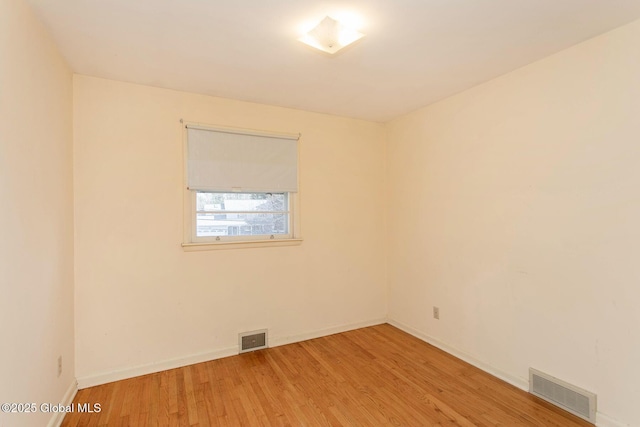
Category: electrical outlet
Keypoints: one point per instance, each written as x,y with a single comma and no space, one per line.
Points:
436,313
59,365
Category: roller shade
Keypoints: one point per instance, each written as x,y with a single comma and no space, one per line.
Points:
227,161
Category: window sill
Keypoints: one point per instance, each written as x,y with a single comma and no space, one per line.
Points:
211,246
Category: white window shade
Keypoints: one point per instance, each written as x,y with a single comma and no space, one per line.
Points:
219,160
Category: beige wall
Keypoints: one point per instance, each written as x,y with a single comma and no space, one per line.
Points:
145,304
515,208
36,218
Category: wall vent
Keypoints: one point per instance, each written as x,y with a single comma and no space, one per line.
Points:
251,341
564,395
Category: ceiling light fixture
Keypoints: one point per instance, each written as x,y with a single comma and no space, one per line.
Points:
330,36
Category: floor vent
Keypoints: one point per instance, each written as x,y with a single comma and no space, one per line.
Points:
564,395
251,341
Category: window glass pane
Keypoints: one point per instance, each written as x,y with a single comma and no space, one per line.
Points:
241,214
246,224
243,202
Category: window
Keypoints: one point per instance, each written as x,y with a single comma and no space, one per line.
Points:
241,186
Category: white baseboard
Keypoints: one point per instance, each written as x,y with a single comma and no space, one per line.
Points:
67,399
514,381
278,341
121,374
603,420
150,368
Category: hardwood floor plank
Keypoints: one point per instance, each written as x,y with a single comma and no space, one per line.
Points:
191,404
376,376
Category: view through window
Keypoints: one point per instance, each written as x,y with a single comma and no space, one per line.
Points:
242,214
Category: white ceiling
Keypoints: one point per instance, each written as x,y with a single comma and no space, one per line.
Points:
415,52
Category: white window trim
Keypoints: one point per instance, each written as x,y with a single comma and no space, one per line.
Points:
189,203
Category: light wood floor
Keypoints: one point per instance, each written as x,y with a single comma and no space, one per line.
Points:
377,376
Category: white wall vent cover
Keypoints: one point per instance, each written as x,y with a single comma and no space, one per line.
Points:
564,395
251,341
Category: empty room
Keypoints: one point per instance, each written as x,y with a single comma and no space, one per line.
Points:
407,213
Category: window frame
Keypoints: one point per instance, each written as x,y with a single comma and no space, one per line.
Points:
191,242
